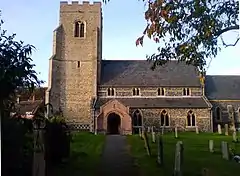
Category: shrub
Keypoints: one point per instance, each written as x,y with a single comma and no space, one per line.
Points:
57,141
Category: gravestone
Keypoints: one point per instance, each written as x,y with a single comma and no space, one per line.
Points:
197,131
219,129
140,132
211,146
178,159
153,135
225,150
176,132
146,142
148,129
234,136
163,129
226,129
160,150
39,164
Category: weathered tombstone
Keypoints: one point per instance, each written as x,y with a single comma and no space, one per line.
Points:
148,129
197,131
211,146
225,150
234,136
226,129
219,129
153,135
38,155
176,132
178,159
140,132
160,150
146,142
163,129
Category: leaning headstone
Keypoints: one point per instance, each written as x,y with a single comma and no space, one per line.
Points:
211,146
38,155
219,129
226,129
178,159
153,135
160,151
225,150
146,142
176,132
197,131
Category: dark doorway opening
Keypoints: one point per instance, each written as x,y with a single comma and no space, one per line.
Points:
113,123
136,121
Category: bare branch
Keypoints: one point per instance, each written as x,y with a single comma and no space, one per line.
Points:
226,30
227,45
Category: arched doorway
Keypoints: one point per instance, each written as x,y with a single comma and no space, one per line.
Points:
113,123
136,121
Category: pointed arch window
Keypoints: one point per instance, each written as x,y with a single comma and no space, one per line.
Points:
79,29
110,92
136,91
191,119
218,113
164,119
161,91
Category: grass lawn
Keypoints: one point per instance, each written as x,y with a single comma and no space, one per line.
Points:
196,155
86,150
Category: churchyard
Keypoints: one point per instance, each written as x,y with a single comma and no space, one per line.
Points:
185,153
86,149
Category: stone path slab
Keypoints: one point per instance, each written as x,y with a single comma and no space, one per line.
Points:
116,160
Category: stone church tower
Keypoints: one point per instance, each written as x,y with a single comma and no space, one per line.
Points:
76,60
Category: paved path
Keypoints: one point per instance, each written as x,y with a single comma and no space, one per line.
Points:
116,160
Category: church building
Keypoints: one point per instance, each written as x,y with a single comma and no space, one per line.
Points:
119,96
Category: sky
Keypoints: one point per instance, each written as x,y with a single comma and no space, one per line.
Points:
33,21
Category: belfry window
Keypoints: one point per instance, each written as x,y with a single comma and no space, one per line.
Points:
136,91
110,92
79,30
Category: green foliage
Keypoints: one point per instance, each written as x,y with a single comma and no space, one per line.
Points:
17,146
57,141
16,69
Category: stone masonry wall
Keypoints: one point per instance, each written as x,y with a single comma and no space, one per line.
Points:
151,117
77,85
224,113
150,91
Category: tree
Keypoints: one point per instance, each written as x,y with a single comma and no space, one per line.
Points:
189,30
16,69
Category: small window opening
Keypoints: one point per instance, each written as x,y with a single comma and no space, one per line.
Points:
78,64
136,91
110,92
161,91
164,118
186,91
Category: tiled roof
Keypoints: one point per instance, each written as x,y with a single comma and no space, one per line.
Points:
27,106
38,92
157,102
138,73
222,87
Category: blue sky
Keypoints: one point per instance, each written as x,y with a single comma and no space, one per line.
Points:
34,21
